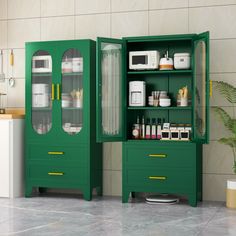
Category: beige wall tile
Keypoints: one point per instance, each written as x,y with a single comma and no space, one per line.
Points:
57,28
92,26
217,158
3,34
167,4
222,55
3,9
131,5
168,22
194,3
217,129
57,7
214,186
107,156
116,161
129,24
5,62
92,6
18,70
217,99
107,182
16,94
23,8
116,186
218,20
21,31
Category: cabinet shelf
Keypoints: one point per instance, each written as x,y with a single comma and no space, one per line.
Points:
159,108
41,74
72,74
41,108
72,108
159,72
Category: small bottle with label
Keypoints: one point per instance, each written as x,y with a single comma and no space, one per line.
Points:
136,129
153,129
158,128
143,128
148,129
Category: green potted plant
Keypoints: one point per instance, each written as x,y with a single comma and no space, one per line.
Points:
229,92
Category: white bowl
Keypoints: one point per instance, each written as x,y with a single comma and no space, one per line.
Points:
164,102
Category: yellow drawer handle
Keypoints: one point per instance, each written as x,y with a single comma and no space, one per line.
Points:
58,91
55,153
210,90
158,155
157,177
56,173
53,91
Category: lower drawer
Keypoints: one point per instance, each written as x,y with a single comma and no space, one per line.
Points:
57,174
166,179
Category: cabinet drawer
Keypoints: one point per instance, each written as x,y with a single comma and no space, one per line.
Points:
57,174
165,179
59,154
160,155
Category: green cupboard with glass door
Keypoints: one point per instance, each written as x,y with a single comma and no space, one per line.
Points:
160,112
61,149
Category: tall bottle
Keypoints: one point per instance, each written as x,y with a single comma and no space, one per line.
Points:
158,128
148,129
153,129
143,128
136,129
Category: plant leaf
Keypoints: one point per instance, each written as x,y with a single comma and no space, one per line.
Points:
225,117
228,141
227,90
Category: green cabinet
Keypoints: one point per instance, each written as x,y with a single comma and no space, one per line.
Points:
61,149
155,165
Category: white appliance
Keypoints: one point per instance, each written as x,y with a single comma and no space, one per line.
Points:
166,63
137,93
42,64
77,64
144,60
40,95
182,61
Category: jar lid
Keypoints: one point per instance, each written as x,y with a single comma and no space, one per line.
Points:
231,184
184,54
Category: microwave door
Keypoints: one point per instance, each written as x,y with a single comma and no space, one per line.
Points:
140,60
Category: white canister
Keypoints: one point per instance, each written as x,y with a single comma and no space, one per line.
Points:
77,64
40,88
40,95
182,61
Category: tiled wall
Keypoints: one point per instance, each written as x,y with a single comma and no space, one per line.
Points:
34,20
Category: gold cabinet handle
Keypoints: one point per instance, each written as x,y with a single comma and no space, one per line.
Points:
53,91
55,153
56,173
157,177
158,155
210,90
58,91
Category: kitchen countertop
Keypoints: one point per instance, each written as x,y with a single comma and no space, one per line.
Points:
13,113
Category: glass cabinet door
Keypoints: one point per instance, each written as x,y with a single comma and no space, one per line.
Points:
201,84
72,91
110,87
42,92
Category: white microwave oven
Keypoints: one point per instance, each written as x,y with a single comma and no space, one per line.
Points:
144,60
42,64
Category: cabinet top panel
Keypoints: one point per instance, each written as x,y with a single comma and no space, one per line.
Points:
160,38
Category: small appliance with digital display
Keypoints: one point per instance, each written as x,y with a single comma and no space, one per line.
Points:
137,93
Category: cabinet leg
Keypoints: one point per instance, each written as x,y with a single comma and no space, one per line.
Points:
88,194
192,200
99,190
28,191
133,194
125,196
42,190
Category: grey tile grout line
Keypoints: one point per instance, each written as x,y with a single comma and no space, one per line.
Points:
75,24
40,21
110,18
148,26
188,16
210,173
